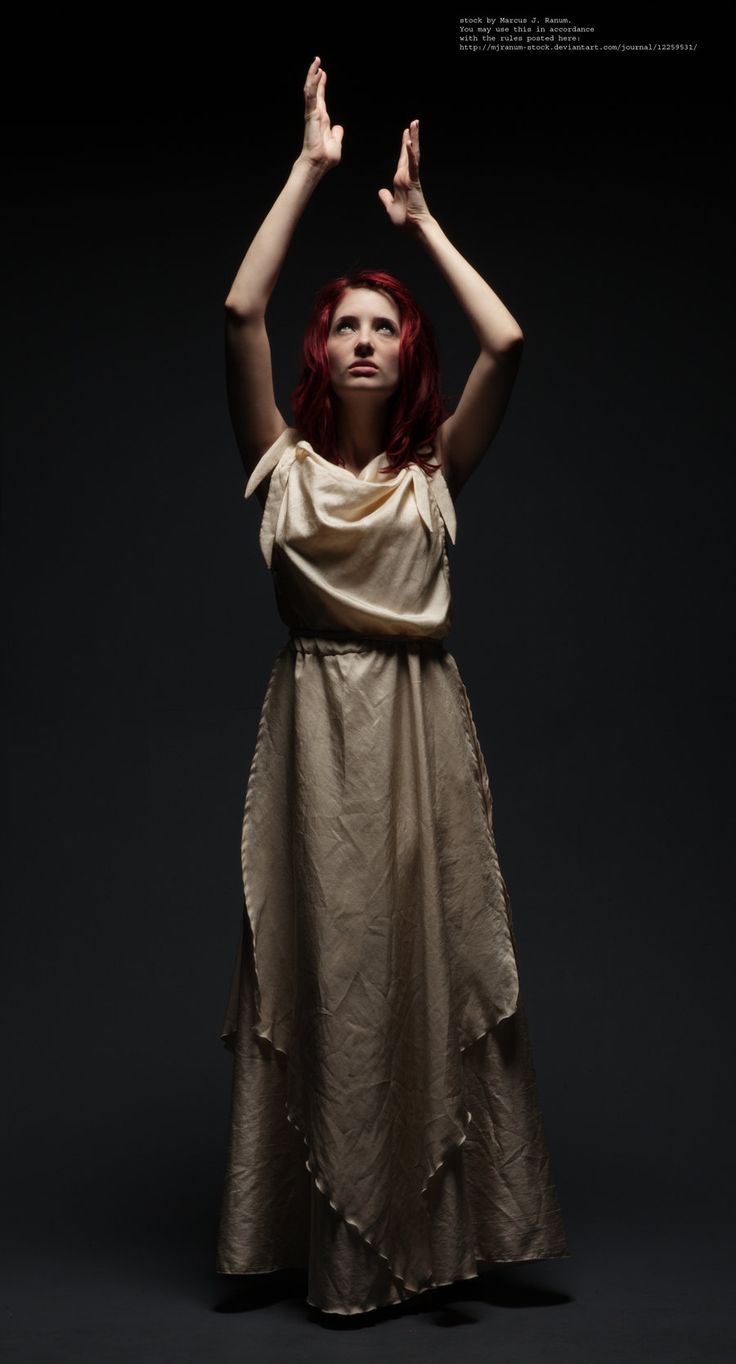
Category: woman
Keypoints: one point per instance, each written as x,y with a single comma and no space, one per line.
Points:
385,1130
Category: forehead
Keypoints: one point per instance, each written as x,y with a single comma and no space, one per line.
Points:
370,302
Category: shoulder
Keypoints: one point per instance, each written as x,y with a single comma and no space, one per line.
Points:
259,477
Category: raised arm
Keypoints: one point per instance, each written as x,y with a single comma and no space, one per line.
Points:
466,434
256,419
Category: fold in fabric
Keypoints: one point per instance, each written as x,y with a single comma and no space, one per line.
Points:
288,449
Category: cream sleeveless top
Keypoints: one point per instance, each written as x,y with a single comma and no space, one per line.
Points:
355,553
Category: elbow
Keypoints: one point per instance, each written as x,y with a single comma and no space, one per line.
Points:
506,347
506,350
242,311
515,340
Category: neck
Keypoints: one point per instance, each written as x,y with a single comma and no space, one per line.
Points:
360,434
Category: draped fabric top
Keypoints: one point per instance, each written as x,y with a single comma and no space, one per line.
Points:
355,553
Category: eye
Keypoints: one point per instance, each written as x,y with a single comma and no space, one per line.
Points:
383,326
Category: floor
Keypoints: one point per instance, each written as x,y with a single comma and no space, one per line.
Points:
640,1293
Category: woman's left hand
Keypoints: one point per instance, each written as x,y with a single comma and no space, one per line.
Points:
406,207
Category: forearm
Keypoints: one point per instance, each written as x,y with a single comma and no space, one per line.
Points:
495,327
256,278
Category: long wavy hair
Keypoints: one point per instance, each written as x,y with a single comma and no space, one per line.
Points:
415,410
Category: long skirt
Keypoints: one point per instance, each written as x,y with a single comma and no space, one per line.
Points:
385,1127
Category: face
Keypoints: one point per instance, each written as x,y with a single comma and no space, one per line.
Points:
366,327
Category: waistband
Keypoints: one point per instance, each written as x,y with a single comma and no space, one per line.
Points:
334,642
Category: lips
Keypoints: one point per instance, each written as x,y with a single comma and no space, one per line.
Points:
363,364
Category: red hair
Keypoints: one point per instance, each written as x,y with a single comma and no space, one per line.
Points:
417,408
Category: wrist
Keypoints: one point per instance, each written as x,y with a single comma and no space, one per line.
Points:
422,227
308,170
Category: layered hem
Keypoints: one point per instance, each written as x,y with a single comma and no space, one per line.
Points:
323,1264
484,1267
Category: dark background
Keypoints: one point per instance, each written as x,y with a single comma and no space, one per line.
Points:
592,618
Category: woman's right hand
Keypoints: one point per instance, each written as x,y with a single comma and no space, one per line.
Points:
322,144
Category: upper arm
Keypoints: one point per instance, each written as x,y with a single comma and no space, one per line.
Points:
256,419
465,435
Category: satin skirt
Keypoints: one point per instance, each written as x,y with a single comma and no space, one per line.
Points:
385,1127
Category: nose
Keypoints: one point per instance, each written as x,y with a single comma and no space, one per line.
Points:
363,345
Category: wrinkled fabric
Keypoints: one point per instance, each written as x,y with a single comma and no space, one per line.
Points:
358,553
385,1128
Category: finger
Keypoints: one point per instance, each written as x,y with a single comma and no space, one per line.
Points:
412,146
403,170
310,89
321,91
313,103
